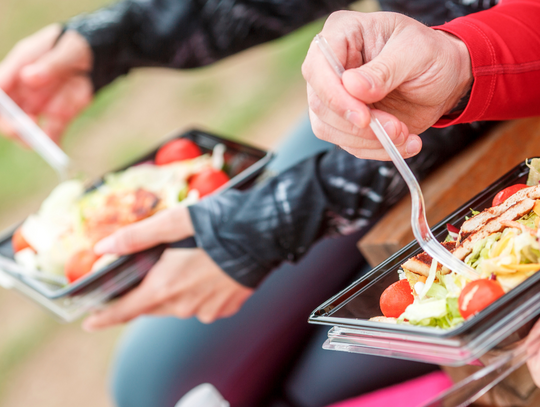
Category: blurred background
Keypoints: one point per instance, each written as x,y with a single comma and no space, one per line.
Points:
256,96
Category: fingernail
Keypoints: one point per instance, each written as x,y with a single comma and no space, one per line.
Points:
106,245
390,128
413,147
355,118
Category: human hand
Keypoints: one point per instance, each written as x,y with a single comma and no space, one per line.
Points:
409,74
48,81
183,283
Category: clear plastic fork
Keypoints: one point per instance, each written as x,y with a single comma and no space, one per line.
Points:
419,224
34,137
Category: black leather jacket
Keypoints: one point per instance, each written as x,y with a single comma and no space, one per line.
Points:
187,33
194,33
250,233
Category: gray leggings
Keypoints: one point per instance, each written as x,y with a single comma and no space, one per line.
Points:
267,351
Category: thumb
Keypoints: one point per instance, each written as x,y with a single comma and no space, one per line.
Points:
72,55
167,226
375,79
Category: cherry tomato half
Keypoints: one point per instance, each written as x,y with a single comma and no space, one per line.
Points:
18,242
477,295
80,264
507,193
207,181
396,298
177,150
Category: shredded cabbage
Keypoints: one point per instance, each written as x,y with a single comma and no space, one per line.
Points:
534,172
430,279
57,230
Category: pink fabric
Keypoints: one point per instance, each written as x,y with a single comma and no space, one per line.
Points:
408,394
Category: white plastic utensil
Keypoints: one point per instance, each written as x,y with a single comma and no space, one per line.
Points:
419,224
36,138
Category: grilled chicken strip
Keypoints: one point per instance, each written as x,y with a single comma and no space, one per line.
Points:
421,263
513,212
476,222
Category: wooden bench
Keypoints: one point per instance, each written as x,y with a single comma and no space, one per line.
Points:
444,191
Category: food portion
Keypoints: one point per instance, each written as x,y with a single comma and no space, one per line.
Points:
58,240
501,243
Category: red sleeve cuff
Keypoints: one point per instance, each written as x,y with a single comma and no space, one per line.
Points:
504,45
481,52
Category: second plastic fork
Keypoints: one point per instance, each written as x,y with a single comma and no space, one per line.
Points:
32,135
419,224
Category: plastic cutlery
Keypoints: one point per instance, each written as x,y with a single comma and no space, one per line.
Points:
36,138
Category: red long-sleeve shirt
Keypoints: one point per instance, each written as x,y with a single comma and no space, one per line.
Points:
504,44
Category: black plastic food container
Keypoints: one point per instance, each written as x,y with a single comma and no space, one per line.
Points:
501,324
242,163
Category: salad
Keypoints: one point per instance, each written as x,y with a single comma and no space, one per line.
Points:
501,243
56,243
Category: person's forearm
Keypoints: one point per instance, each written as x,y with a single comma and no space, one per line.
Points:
504,45
249,233
187,33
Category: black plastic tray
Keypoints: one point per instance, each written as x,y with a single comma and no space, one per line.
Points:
352,307
243,164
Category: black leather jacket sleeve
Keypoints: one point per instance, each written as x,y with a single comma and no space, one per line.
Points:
249,233
187,33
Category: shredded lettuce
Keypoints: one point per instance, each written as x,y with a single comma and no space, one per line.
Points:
529,220
420,313
438,307
454,315
430,279
437,291
530,255
436,313
453,283
473,213
534,172
481,250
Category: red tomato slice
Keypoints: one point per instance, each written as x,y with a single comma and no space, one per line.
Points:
207,181
80,264
507,193
396,298
18,242
477,295
177,150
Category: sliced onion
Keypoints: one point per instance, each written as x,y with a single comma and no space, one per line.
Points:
452,231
